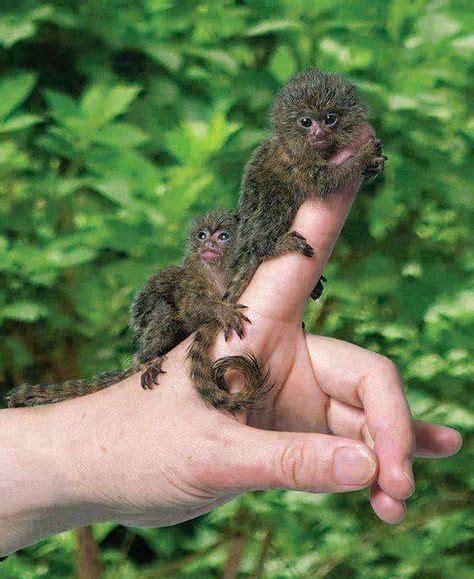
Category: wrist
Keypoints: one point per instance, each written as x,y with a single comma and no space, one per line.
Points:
44,486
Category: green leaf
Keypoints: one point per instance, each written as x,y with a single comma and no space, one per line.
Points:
24,311
19,122
195,141
14,29
398,102
272,26
436,26
464,44
67,186
459,307
116,190
19,25
12,158
62,106
169,57
283,64
68,256
218,57
347,57
122,135
15,89
102,103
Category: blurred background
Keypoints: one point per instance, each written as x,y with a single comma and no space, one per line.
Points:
118,121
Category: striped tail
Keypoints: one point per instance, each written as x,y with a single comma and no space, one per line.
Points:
209,377
38,394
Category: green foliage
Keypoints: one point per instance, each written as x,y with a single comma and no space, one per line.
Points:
119,120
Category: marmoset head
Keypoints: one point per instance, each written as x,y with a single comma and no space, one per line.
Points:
317,113
212,235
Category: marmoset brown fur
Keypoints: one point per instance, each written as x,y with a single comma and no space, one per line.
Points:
172,304
315,116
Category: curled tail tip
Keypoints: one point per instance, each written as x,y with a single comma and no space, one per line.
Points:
209,376
254,394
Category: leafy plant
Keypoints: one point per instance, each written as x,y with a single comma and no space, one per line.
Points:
119,121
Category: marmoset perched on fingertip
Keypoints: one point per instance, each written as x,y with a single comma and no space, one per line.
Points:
172,304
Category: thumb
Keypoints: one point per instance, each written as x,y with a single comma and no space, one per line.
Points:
316,463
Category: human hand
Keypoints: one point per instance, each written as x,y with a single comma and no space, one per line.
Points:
323,387
156,458
159,457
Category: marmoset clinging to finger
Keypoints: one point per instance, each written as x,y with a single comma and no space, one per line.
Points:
172,304
315,116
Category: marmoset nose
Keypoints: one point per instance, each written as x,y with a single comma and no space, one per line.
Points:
210,244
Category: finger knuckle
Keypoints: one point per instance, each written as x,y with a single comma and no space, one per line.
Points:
386,367
292,462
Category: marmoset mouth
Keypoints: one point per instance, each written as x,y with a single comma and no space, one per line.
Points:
318,144
210,255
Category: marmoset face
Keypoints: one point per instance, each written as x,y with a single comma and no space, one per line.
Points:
317,113
212,235
213,243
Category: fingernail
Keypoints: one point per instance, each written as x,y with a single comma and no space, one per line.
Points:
353,466
408,473
400,518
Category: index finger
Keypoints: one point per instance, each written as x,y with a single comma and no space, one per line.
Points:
281,286
370,381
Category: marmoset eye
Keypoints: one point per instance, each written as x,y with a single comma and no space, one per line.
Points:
201,235
330,119
306,122
224,236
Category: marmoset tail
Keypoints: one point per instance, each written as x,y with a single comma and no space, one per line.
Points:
315,116
37,394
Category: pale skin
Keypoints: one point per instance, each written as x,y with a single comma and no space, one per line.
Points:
337,422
